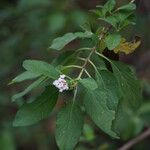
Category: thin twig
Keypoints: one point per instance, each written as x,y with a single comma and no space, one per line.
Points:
71,66
83,49
85,63
101,55
105,30
87,73
83,59
80,58
93,65
75,94
134,141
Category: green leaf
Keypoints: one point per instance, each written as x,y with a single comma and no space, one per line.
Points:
31,113
144,112
96,106
40,67
24,76
108,83
64,58
127,124
29,88
128,7
112,20
122,119
86,34
122,16
99,62
69,126
128,84
109,6
88,133
89,83
97,12
128,21
129,103
86,27
112,40
60,42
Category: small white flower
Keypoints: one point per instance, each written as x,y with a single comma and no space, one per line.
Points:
55,82
61,83
62,76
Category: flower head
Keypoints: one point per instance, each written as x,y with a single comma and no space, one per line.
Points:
61,83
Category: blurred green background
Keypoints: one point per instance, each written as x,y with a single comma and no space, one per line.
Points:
27,28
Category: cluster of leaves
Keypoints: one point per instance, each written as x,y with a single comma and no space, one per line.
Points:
118,18
108,91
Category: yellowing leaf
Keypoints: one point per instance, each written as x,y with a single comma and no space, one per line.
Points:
102,45
127,47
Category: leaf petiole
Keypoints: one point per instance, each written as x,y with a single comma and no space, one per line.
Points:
101,55
71,66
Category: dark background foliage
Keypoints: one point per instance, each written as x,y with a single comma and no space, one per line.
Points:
27,28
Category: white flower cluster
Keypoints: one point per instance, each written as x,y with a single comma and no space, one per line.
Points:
61,83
